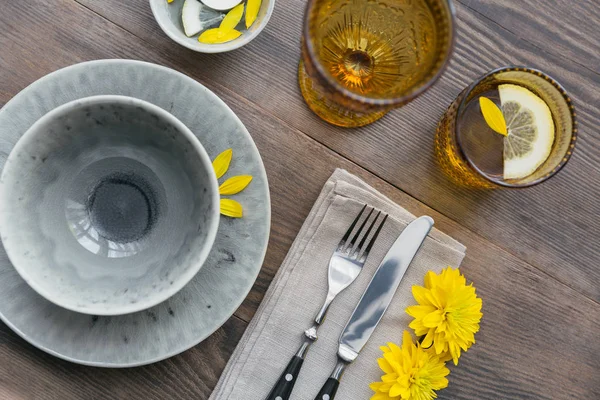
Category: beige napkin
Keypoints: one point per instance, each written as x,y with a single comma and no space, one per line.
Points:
300,286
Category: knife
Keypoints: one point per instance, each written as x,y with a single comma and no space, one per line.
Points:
375,300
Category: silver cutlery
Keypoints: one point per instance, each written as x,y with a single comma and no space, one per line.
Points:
375,300
344,266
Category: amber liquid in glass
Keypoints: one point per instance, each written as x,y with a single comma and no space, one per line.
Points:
377,47
480,144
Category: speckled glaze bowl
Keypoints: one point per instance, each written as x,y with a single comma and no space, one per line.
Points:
108,205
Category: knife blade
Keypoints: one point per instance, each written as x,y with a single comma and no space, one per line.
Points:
375,300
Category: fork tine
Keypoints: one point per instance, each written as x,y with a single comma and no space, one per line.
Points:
357,234
349,231
366,235
372,241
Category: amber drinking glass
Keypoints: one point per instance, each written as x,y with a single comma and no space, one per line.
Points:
361,58
473,155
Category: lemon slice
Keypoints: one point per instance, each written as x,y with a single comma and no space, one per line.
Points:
222,5
196,17
530,131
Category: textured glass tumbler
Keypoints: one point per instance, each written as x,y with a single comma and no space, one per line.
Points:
451,147
362,58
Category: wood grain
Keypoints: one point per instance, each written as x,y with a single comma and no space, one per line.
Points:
565,28
399,147
538,338
27,373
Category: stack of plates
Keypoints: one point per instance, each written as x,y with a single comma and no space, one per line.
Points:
212,296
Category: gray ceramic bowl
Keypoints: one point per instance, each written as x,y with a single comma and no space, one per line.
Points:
108,205
168,16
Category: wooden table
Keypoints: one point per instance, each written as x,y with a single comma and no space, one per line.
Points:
533,254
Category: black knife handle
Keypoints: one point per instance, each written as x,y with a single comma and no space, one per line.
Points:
284,386
328,390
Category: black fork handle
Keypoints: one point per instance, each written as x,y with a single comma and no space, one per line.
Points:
285,384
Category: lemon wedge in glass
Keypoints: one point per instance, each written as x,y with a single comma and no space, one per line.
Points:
530,131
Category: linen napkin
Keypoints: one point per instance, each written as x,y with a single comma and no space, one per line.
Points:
299,289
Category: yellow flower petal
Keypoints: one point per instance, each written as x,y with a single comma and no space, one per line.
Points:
169,1
420,295
233,17
231,208
430,279
221,163
218,35
419,311
235,184
493,115
428,340
396,390
252,11
433,319
385,366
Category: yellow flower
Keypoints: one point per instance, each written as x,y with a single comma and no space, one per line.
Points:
448,313
411,372
233,185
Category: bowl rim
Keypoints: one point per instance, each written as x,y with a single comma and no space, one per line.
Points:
246,37
213,217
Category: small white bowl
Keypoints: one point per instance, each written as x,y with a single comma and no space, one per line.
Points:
168,16
108,205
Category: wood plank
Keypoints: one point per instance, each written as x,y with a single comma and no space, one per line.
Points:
28,373
565,28
399,147
523,334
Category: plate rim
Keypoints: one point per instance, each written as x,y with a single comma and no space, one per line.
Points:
265,242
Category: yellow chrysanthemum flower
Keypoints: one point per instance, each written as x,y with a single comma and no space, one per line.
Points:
411,372
448,313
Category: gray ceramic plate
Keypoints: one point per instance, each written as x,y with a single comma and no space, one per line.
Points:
214,294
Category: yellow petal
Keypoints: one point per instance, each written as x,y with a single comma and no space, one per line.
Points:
169,1
433,319
428,340
493,115
396,390
387,378
419,311
235,184
439,346
252,11
385,365
218,35
221,163
232,18
430,279
231,208
420,295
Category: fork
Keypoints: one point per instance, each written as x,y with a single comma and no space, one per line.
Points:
344,266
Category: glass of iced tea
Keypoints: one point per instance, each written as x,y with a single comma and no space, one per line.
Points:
361,58
534,138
